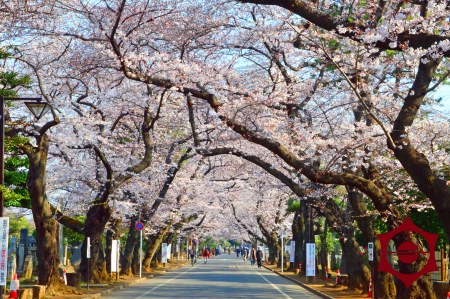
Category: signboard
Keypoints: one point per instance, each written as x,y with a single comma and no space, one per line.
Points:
88,248
292,252
164,253
115,246
139,226
4,234
370,251
310,259
169,250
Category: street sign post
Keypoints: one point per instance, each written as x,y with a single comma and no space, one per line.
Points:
88,256
139,226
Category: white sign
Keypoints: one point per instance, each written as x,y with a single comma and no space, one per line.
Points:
114,254
370,249
310,259
164,253
4,234
292,252
169,250
88,248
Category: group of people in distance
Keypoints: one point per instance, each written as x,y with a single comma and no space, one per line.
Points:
253,254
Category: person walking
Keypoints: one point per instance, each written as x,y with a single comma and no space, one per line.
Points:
192,256
244,254
205,254
252,256
259,256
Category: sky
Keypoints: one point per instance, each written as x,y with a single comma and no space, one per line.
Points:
444,92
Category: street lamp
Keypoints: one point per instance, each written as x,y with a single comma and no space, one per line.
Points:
38,108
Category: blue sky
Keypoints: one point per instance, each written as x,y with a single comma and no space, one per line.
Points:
444,92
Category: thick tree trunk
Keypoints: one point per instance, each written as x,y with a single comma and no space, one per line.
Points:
383,283
127,257
357,271
46,225
97,217
422,288
323,251
153,245
135,260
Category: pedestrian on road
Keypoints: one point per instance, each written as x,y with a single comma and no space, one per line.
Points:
237,252
259,256
205,255
252,256
192,256
244,254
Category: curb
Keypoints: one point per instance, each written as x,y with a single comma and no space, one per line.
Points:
127,284
116,288
318,293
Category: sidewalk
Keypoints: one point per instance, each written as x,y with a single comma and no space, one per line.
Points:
99,290
319,286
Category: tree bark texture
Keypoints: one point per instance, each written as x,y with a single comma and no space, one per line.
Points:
132,240
97,217
46,224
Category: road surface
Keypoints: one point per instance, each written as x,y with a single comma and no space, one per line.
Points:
224,276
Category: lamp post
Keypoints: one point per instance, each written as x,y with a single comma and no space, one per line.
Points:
38,108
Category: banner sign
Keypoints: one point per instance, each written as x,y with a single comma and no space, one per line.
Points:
310,259
169,250
88,248
114,255
292,252
370,249
4,234
164,253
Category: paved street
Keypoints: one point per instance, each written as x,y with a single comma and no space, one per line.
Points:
222,277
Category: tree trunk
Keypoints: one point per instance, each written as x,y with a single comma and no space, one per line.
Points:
357,271
135,261
323,251
46,225
382,282
97,217
422,287
153,245
127,258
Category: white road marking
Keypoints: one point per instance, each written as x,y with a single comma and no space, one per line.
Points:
154,288
274,286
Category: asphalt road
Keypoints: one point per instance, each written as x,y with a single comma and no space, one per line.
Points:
222,277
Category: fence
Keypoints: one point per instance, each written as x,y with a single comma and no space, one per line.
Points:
437,274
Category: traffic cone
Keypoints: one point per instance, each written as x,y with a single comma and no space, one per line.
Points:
369,295
14,287
448,295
